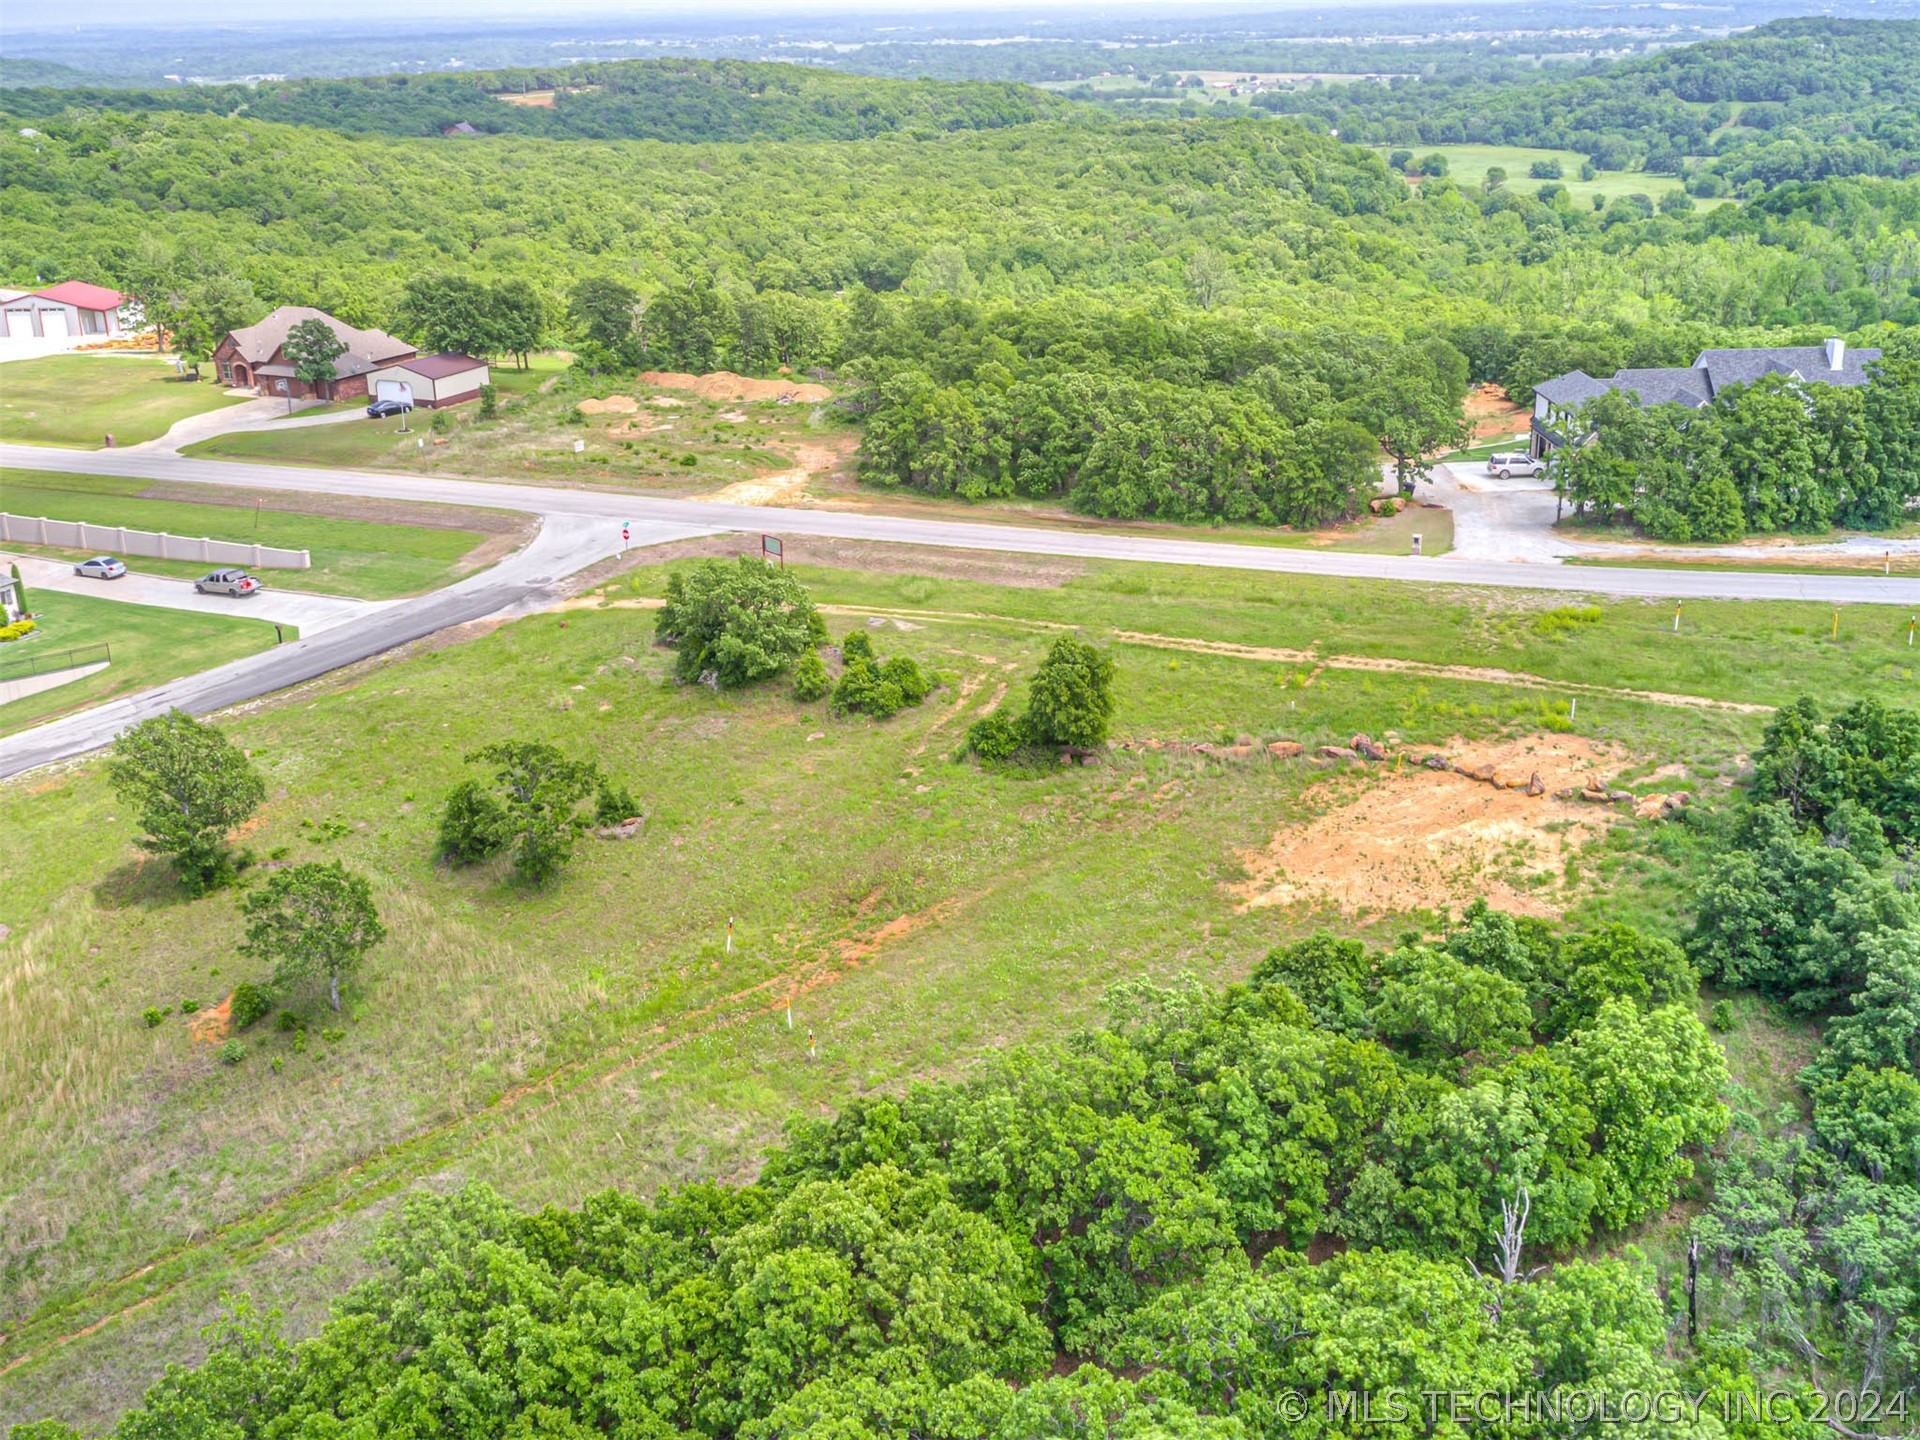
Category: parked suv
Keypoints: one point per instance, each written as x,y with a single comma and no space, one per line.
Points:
1517,462
226,582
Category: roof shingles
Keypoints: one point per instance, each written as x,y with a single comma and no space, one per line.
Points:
366,349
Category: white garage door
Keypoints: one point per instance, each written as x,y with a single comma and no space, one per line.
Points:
393,390
19,324
53,323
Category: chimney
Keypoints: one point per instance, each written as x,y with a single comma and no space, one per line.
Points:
1836,354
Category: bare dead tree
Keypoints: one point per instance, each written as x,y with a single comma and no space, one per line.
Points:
1511,1245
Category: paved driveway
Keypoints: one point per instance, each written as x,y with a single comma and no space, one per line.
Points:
312,613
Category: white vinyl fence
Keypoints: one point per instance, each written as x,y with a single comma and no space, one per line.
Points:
119,540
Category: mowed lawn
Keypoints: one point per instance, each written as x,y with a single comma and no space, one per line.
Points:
366,559
150,646
78,400
914,911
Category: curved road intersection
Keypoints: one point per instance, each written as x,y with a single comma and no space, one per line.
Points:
580,527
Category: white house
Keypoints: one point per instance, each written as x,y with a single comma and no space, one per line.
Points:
10,609
73,309
429,381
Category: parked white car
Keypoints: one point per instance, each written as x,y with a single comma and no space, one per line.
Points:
1518,462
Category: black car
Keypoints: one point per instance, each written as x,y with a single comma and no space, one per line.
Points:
381,409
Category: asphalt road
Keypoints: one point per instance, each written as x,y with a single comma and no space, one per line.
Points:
580,527
610,508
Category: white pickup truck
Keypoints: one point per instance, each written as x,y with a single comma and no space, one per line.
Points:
1505,467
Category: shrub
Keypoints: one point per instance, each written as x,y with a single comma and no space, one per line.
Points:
994,737
439,425
154,1014
857,646
817,629
862,691
689,460
287,1021
613,803
913,683
1545,170
248,1003
474,824
188,1007
1722,1019
18,628
233,1052
489,402
277,1062
810,679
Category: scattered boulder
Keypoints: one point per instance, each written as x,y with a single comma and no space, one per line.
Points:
1337,752
1285,749
1366,745
1482,773
1243,739
1237,752
1595,797
1535,785
625,830
1617,796
1437,761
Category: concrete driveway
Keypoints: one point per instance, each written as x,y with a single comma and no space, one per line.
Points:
260,413
1503,520
312,613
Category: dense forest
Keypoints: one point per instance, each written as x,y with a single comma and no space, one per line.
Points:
1364,1176
1230,306
1794,100
624,100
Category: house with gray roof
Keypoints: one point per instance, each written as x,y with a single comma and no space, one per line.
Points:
1556,401
254,357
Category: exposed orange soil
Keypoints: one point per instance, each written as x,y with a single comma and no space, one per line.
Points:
1492,415
725,385
1419,839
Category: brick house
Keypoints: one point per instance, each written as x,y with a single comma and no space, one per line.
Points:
254,358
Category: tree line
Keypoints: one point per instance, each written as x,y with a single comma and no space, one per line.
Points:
673,100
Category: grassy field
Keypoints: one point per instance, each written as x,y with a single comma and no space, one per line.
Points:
78,400
1468,164
150,646
910,908
396,550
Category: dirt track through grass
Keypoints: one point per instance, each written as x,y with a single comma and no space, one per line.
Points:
393,1166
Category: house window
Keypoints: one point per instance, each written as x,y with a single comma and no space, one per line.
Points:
226,372
93,322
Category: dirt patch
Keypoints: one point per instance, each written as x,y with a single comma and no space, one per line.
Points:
1418,839
211,1026
864,947
541,99
725,385
1492,415
611,405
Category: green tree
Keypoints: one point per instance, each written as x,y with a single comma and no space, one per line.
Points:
313,347
452,312
1414,409
312,920
535,798
19,588
604,311
739,623
191,786
1071,700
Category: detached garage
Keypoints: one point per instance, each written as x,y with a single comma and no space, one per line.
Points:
429,381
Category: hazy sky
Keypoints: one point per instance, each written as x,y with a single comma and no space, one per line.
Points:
146,15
